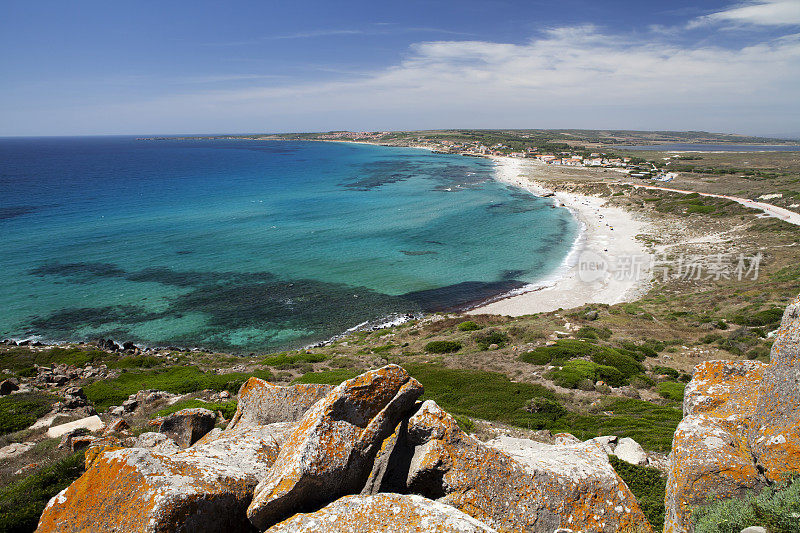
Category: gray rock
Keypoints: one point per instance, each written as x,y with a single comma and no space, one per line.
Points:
156,442
630,451
754,529
188,425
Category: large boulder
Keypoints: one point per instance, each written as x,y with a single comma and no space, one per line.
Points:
383,513
187,426
331,452
509,484
261,402
741,429
775,435
205,488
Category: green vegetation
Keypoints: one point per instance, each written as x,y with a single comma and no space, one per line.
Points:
770,318
577,372
563,350
589,332
776,508
179,380
328,377
442,346
136,361
22,502
23,358
19,411
665,371
627,366
671,390
285,360
484,340
502,400
469,325
227,408
649,487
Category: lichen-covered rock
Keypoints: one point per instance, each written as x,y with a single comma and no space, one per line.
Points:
261,402
511,484
724,389
741,428
187,426
331,452
710,456
383,513
205,488
157,443
775,435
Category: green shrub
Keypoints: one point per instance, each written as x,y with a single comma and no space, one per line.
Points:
328,377
469,325
178,380
649,487
228,408
22,502
777,508
589,332
671,390
642,381
136,361
666,371
767,317
20,358
563,350
442,346
574,372
465,423
711,338
484,340
19,411
280,360
627,366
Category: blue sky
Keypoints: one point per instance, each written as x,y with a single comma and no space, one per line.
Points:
146,67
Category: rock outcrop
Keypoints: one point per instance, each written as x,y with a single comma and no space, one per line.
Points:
187,426
508,484
206,488
741,427
383,512
261,402
331,452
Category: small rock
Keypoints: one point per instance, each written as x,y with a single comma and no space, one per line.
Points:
8,386
591,315
754,529
562,439
630,451
156,442
116,425
130,405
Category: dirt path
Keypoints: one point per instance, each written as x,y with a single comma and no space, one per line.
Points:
771,210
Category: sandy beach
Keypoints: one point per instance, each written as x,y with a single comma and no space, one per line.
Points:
607,240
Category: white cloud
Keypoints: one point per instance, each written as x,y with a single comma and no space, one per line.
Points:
762,13
568,77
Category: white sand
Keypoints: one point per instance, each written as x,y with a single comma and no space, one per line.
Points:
609,233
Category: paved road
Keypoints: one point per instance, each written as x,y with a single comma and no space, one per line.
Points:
771,210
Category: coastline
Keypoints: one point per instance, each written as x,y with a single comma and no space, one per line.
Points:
606,232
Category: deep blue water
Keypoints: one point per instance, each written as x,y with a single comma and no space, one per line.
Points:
253,245
691,147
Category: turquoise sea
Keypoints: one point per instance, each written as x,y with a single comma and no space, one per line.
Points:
254,246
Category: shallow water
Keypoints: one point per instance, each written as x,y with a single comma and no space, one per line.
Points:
253,245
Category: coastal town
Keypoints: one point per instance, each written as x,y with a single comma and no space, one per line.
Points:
644,170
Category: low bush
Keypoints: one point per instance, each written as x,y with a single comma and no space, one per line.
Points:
776,508
572,373
465,423
22,502
484,340
666,371
228,408
280,360
20,358
328,377
178,380
767,317
136,361
589,332
442,346
648,485
563,350
626,365
469,325
19,411
671,390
